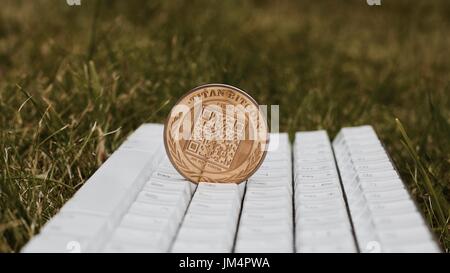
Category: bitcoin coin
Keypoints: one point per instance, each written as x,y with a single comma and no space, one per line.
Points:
216,133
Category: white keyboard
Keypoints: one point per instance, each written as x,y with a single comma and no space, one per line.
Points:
299,200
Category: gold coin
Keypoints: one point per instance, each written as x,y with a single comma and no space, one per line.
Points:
216,133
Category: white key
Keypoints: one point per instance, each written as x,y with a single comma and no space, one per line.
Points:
148,223
399,237
121,247
167,175
347,247
76,224
58,243
146,238
428,247
200,247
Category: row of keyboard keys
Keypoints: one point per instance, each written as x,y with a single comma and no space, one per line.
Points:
210,222
321,218
152,220
384,216
266,223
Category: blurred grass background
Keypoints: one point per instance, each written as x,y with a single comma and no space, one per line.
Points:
74,81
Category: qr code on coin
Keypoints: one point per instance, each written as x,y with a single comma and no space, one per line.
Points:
215,144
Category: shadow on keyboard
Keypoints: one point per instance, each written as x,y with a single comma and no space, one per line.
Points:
308,197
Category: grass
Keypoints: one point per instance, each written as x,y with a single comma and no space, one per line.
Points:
75,81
